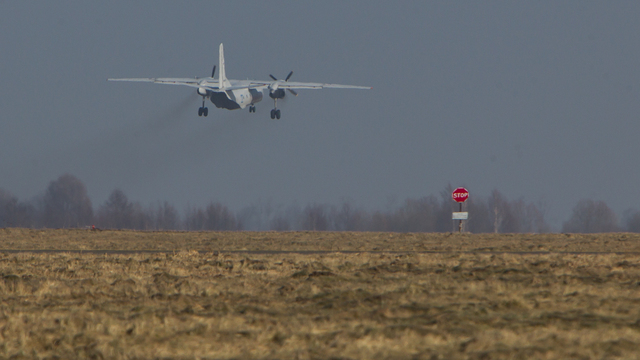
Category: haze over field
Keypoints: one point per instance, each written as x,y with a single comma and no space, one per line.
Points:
537,100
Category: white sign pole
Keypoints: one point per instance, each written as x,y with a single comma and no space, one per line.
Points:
460,224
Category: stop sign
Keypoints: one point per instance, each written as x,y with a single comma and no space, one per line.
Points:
460,195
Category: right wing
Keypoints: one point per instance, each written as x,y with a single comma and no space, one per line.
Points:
302,85
305,85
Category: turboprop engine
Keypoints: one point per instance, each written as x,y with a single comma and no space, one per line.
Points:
202,91
275,92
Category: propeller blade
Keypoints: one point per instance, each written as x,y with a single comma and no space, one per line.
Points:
288,76
273,77
293,92
214,71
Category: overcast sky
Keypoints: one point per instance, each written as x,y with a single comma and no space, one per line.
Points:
536,99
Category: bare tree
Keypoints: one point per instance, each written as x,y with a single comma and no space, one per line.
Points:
258,216
381,222
214,217
14,213
219,217
142,219
166,217
480,216
417,215
195,219
280,223
7,203
66,203
504,219
533,219
633,221
591,217
116,212
515,216
349,218
315,217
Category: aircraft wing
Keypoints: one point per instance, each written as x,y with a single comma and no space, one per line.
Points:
193,82
196,83
303,85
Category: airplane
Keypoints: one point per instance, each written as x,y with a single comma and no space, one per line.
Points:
238,94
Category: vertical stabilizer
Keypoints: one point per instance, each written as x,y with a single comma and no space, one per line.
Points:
222,78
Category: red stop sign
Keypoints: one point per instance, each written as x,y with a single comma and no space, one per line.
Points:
460,194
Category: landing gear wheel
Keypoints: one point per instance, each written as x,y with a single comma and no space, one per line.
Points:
273,114
278,114
203,110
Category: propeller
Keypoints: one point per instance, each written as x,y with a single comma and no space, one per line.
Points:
213,72
286,79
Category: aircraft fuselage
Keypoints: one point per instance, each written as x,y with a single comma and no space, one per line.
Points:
229,99
235,99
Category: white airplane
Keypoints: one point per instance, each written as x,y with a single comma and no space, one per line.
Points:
238,94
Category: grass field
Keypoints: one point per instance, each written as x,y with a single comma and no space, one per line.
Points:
462,303
24,239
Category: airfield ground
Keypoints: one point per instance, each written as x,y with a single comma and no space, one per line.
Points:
396,296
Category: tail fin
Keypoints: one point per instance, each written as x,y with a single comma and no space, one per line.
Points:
222,78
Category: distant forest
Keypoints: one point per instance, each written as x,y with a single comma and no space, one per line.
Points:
65,204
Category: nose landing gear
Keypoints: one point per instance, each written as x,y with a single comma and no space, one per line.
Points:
252,108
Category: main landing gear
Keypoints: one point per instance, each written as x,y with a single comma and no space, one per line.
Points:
203,111
275,113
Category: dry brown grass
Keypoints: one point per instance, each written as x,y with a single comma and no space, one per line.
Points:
27,239
192,305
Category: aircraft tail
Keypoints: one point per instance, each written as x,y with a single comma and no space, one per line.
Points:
222,78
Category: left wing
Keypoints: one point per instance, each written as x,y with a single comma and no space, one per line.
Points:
193,82
206,83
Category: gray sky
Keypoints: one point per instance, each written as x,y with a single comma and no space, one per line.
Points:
536,99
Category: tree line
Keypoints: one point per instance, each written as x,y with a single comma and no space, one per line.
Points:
65,204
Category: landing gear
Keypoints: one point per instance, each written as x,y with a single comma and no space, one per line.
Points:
275,113
203,111
252,109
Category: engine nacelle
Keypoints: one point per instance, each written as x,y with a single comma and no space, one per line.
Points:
276,94
256,95
202,91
